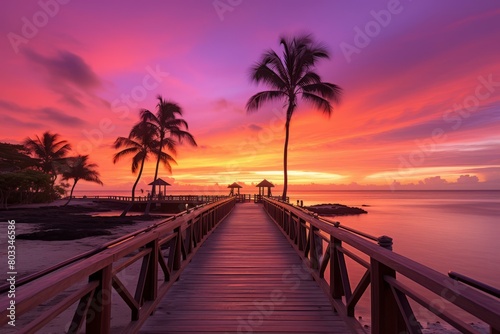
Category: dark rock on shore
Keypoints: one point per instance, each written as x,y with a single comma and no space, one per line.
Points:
335,210
70,222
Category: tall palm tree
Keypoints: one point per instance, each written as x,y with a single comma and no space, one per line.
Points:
80,169
50,152
289,77
141,144
169,129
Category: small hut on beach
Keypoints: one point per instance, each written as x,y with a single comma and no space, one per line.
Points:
159,182
265,184
233,186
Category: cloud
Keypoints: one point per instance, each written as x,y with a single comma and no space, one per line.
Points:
221,104
68,75
53,115
433,181
66,67
255,127
467,179
12,122
60,117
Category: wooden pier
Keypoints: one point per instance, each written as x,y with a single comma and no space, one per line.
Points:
228,267
245,279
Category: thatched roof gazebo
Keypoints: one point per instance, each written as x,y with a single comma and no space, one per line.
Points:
159,182
265,184
232,186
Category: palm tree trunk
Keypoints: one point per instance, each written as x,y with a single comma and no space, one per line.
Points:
124,213
148,206
138,177
285,151
157,165
71,193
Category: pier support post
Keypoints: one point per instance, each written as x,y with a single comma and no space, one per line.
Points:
386,316
336,288
99,313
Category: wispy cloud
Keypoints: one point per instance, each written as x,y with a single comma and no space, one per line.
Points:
45,115
68,75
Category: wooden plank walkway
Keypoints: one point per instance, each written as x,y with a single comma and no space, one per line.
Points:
246,278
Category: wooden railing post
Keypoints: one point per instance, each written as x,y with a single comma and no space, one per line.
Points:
385,241
151,286
313,245
178,249
99,313
336,289
386,316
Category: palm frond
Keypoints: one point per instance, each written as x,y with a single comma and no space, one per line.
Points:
319,102
308,78
262,73
325,90
166,159
256,101
276,64
124,141
126,152
80,169
137,160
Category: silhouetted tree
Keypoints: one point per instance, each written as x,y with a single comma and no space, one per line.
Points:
291,76
170,130
140,144
50,152
80,169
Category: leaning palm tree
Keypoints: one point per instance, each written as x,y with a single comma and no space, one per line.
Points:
50,152
292,76
80,169
140,144
170,131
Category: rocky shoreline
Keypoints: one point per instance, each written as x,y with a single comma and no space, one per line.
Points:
72,222
335,210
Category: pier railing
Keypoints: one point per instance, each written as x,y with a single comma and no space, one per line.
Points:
163,251
393,280
166,198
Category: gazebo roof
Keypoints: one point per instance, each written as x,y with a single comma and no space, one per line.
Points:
159,182
265,183
234,185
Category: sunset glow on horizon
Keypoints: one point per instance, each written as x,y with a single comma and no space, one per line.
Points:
420,80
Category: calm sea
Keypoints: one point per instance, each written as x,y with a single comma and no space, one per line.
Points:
445,230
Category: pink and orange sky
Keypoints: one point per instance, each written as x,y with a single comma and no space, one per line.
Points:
421,82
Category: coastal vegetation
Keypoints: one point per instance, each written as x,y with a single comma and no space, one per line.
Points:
29,171
291,76
79,168
141,144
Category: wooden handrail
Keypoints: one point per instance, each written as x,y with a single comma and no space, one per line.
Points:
166,198
475,283
390,310
165,249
